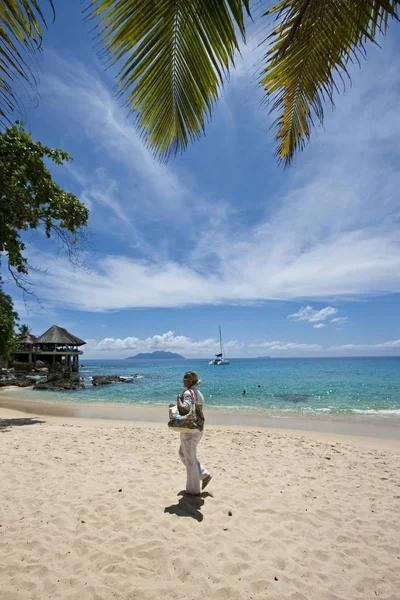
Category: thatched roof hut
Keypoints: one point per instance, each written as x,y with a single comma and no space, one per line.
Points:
60,337
28,340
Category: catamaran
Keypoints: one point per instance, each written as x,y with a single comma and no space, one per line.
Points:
219,358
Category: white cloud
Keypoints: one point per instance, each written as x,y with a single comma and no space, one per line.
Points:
339,320
166,341
307,313
119,282
205,348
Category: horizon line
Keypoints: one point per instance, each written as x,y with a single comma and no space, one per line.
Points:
257,357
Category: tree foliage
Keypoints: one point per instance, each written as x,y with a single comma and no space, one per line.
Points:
313,43
20,35
30,198
172,57
8,322
23,331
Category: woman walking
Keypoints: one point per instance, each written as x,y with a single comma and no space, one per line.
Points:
189,441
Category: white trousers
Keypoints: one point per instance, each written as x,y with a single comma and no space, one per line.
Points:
187,453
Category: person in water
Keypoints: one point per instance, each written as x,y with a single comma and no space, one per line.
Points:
244,392
195,472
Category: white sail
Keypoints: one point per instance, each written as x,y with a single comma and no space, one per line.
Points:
219,358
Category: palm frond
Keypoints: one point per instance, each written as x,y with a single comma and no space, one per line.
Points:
20,34
311,46
172,57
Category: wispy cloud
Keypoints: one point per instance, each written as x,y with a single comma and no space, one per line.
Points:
149,188
339,320
303,349
319,326
331,230
307,313
388,346
288,347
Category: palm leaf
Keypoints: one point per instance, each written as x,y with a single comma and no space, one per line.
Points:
312,44
20,34
172,56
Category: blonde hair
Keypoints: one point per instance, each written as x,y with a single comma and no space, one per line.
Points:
193,377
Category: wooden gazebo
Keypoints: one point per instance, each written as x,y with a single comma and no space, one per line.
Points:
56,345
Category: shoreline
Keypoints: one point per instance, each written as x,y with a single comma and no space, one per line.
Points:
350,426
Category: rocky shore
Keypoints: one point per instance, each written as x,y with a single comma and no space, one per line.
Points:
22,375
107,379
56,380
16,382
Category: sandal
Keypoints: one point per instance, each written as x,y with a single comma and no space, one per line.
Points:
206,481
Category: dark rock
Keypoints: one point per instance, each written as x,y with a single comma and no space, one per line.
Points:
25,382
19,381
22,367
230,513
60,381
120,490
276,579
107,379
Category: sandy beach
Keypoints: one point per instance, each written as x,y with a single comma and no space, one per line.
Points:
91,509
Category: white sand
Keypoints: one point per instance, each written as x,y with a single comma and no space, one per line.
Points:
314,517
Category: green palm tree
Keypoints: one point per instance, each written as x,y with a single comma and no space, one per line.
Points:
173,57
23,332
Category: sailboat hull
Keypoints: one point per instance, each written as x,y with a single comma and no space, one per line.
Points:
219,362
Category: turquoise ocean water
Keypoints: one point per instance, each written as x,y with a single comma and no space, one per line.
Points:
288,386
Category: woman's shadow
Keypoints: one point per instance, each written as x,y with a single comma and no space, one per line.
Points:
188,506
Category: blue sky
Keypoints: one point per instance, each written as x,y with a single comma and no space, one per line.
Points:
302,262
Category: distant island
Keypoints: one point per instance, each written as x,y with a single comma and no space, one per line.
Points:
156,354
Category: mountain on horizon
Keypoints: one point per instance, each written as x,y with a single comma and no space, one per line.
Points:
156,354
